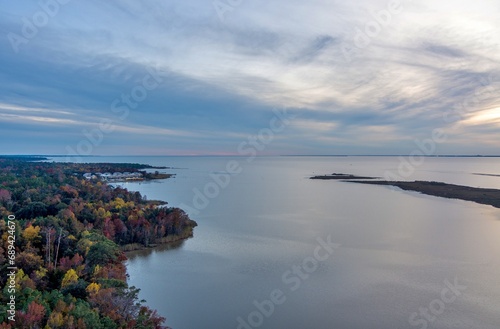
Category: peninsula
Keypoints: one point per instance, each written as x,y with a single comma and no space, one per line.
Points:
64,235
485,196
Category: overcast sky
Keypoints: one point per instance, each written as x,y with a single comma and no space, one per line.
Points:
200,77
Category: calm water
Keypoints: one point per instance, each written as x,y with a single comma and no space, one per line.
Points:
396,248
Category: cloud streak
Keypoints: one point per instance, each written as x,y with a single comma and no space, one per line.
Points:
222,79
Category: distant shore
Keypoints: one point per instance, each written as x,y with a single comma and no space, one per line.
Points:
485,196
340,177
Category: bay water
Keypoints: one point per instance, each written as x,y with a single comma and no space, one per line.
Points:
275,249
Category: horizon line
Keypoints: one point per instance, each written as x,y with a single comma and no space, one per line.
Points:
259,156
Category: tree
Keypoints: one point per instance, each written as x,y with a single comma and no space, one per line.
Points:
77,289
93,288
108,229
24,281
31,233
69,278
90,317
66,263
56,320
29,261
58,245
2,257
32,317
32,210
5,196
119,203
102,253
149,319
49,234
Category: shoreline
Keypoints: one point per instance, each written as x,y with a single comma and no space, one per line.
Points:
485,196
169,240
147,178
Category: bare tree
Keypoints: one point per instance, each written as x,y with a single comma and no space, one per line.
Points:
58,245
48,246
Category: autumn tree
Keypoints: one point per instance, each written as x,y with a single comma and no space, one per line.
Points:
29,261
32,234
32,317
69,278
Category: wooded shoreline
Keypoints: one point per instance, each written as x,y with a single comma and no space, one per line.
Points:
70,234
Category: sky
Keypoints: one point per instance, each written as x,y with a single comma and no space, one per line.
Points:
193,77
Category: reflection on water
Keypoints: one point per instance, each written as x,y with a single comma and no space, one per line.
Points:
397,248
148,251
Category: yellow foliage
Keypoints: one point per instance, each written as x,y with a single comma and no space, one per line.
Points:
18,279
31,233
55,320
97,269
69,278
102,213
93,288
41,272
119,203
23,281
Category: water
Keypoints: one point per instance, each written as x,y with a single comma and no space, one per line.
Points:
396,248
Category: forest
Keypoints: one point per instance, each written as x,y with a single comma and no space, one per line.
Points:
66,237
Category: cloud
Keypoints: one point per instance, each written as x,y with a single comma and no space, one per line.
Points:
222,79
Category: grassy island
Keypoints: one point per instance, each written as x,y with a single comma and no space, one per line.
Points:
485,196
63,241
